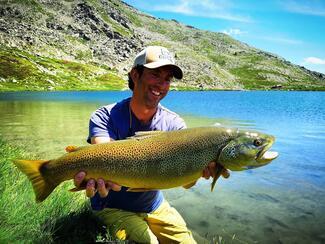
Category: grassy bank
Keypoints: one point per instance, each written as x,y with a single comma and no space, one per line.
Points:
23,71
63,217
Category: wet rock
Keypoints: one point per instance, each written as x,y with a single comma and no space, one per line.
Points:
204,223
278,86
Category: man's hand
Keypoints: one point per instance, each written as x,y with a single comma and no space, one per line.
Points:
103,187
212,169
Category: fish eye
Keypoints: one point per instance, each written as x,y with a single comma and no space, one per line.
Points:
257,142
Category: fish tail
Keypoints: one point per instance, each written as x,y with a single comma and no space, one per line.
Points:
32,169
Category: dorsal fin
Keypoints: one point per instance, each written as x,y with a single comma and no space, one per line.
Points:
71,148
140,135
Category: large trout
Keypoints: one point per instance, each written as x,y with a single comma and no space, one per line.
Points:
153,160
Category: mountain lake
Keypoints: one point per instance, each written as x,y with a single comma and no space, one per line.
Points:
283,202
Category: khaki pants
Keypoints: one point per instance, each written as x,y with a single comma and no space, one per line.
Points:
164,225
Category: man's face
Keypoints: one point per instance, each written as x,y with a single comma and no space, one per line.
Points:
153,85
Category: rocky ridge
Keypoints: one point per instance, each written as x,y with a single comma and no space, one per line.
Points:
108,34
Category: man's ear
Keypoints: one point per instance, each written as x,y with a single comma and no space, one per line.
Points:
134,75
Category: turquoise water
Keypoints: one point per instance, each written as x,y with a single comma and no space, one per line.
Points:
283,202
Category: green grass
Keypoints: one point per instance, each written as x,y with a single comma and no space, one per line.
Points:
63,217
21,70
13,66
133,18
129,14
34,5
219,59
251,79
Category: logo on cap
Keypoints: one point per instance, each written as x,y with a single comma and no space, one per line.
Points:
154,57
166,55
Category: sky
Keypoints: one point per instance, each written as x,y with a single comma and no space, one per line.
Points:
292,29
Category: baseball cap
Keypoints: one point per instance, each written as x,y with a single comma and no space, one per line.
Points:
154,57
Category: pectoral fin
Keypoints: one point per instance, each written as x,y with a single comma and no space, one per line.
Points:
188,186
216,176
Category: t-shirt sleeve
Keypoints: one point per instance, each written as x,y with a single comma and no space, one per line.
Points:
101,125
178,123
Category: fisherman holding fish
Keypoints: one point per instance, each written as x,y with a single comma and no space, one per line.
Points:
123,177
144,217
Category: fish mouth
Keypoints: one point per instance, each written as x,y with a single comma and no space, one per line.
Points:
268,156
265,156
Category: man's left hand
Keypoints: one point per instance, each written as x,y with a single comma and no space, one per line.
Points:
212,168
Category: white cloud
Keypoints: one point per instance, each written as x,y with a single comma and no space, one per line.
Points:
311,7
314,60
216,9
234,32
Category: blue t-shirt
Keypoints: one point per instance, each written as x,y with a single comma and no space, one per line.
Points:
118,122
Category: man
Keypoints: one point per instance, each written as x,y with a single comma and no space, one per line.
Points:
144,217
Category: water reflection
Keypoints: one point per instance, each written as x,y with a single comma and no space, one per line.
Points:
45,128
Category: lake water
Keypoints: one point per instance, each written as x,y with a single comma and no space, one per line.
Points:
283,202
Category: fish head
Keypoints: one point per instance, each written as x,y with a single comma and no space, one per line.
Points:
247,150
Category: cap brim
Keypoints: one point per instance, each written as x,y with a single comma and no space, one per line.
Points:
177,72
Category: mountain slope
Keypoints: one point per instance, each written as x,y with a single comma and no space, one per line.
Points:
90,45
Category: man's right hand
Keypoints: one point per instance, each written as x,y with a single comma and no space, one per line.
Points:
103,186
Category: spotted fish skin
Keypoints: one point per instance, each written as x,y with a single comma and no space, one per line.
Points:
153,160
